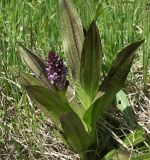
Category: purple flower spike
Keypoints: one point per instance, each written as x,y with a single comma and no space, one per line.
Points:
56,70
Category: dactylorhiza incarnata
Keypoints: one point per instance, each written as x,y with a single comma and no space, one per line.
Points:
56,70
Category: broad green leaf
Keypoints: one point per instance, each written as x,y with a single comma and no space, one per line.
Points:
36,64
122,101
51,101
72,37
91,60
74,104
121,66
112,84
24,78
124,106
75,132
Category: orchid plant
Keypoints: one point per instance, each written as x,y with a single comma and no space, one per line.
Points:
77,95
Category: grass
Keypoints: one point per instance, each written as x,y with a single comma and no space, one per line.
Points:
36,24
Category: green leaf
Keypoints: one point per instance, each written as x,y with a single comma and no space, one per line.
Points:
134,138
36,64
74,104
112,84
124,106
75,132
72,37
144,156
116,77
91,61
51,101
24,78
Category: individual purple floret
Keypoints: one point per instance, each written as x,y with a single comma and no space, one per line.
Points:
56,70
